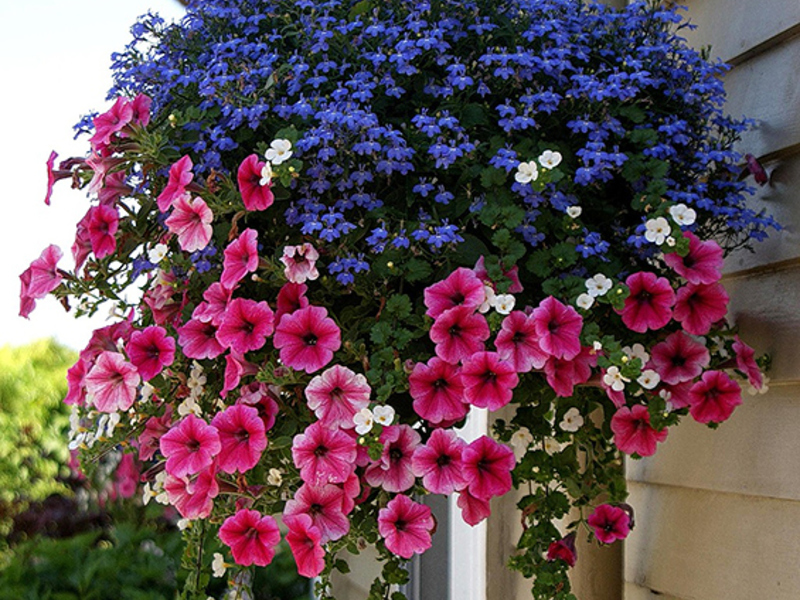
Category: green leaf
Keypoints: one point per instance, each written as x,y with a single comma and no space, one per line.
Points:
399,306
417,270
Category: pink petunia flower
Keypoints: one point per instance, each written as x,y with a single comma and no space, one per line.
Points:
54,175
518,342
215,302
140,109
102,228
27,303
610,523
189,446
236,367
488,381
439,462
678,358
112,382
259,395
199,340
563,549
193,495
300,263
563,375
44,275
114,188
307,339
633,432
558,328
473,510
191,222
512,274
698,307
180,176
154,428
459,333
304,539
111,122
108,339
256,192
242,438
150,350
325,505
438,391
324,455
241,258
649,305
394,471
746,363
251,537
713,398
166,298
461,288
336,395
76,383
677,394
487,467
406,526
245,325
703,263
291,297
82,246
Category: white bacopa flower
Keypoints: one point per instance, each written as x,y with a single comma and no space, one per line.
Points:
584,301
597,346
383,414
147,392
550,159
572,420
648,379
274,477
279,151
637,351
183,524
520,441
682,214
551,445
489,300
598,285
614,379
504,303
157,253
657,230
266,174
527,172
218,565
190,406
364,420
574,212
671,241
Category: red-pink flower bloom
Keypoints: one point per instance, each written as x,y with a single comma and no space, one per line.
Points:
191,222
245,325
439,462
291,297
241,258
114,188
76,385
193,496
438,391
154,428
518,343
325,505
242,438
112,382
150,350
703,263
251,537
26,302
102,229
649,305
199,340
236,367
461,288
394,472
189,446
563,375
698,307
215,302
558,328
746,363
336,395
111,122
44,275
82,246
563,549
180,176
126,478
307,339
166,298
713,398
254,195
53,175
488,381
324,455
300,263
678,394
473,510
678,358
610,523
513,274
406,526
633,432
487,467
260,396
304,540
140,107
459,333
107,339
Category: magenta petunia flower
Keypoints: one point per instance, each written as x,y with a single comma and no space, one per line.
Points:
324,455
110,122
461,288
154,428
199,340
300,263
406,526
438,391
150,350
488,381
189,446
473,510
746,363
336,395
256,193
194,495
325,505
439,462
242,438
245,325
713,398
180,176
487,467
44,275
518,342
108,339
558,328
698,307
291,297
703,263
307,339
633,432
53,175
236,367
563,549
112,382
114,188
678,394
459,333
512,274
241,258
215,302
26,302
259,395
394,471
191,222
76,384
649,305
304,539
82,246
678,358
102,228
610,523
251,537
140,108
563,375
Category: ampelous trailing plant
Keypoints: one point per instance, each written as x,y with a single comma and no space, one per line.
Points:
333,229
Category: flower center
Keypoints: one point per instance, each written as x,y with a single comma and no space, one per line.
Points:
310,339
320,451
443,460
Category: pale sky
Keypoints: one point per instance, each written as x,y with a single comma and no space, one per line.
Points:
54,67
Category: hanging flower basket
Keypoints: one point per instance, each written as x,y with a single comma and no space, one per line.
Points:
332,230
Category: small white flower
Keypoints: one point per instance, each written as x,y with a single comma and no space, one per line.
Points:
183,524
218,565
550,159
572,420
383,415
364,420
489,300
146,392
190,406
279,151
527,172
597,346
657,230
147,493
682,214
637,351
504,303
520,441
551,446
598,285
157,253
671,241
111,424
648,379
614,379
266,174
274,477
574,211
584,301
